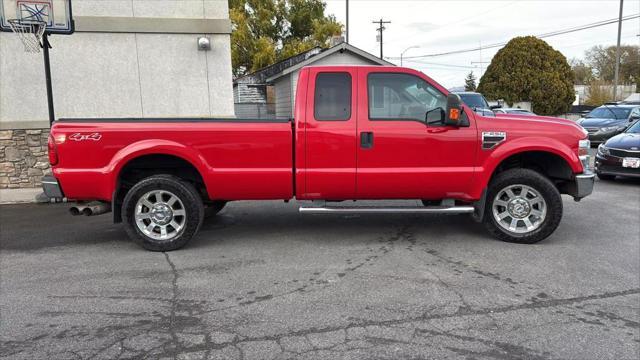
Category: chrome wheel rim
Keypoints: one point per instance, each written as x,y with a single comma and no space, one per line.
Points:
160,215
519,209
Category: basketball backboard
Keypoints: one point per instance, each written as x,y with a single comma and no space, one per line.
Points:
55,13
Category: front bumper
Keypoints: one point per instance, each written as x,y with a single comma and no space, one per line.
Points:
51,187
612,165
583,185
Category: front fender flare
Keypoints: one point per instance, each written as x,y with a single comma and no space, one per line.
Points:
523,145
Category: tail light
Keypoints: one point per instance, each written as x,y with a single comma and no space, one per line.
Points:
53,151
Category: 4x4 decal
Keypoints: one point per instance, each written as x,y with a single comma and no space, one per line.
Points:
81,137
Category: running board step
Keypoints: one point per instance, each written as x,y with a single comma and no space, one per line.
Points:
386,210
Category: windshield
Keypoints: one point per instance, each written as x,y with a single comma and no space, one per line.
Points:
634,129
608,112
474,101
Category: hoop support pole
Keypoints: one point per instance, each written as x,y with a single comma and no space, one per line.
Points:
47,73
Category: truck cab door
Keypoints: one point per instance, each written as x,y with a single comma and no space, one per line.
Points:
400,155
330,134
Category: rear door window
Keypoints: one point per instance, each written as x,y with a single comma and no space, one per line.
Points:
332,100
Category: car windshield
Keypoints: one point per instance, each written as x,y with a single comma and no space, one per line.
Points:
634,129
525,112
608,112
474,101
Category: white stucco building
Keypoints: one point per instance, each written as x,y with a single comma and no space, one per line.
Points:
127,58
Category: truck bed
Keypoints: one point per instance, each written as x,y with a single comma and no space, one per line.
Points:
237,158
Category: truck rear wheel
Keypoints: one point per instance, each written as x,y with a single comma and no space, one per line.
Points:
523,206
162,212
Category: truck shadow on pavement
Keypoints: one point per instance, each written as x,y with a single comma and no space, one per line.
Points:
57,228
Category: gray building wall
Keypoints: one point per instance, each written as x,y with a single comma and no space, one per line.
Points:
120,74
283,96
259,110
248,92
107,70
287,86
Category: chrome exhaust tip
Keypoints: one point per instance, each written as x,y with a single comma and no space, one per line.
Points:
91,209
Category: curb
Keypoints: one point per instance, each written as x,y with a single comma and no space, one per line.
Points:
22,196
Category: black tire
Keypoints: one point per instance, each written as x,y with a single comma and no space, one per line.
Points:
539,183
213,208
606,177
188,195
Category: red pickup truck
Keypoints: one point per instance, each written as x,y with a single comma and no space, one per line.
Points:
358,133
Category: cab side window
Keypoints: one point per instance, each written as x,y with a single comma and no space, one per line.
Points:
332,100
394,96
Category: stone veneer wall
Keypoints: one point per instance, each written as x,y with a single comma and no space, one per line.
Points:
23,158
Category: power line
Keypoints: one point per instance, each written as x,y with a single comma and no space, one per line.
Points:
441,64
465,20
541,36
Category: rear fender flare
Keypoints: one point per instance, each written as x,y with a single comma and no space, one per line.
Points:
155,147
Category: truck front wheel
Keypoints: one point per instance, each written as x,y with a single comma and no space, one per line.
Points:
162,212
523,206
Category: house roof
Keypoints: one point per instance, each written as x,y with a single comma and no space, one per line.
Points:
267,71
332,50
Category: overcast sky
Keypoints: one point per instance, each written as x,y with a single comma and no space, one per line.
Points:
441,26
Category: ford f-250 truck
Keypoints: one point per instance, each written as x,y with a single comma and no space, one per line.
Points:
357,133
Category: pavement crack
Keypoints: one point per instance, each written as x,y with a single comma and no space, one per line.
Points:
460,313
174,302
500,350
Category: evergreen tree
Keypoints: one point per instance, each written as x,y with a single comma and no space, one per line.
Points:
470,82
528,69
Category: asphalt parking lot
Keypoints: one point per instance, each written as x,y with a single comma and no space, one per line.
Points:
263,282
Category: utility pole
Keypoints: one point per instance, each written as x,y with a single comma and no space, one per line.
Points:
381,30
615,81
347,24
481,67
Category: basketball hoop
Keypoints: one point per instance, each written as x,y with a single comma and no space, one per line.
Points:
29,32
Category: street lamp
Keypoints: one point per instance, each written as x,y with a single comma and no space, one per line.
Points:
405,50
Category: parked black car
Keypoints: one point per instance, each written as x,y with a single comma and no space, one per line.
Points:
477,102
620,155
607,121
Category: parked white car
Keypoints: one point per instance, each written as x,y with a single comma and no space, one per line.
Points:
514,111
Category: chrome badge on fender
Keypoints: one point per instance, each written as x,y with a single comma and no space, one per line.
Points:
491,139
83,137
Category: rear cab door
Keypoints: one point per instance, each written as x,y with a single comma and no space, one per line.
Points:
326,139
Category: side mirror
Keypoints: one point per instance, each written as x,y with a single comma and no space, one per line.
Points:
436,116
493,107
454,110
634,118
